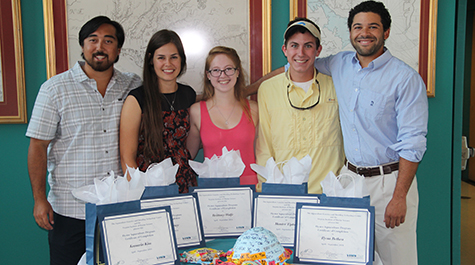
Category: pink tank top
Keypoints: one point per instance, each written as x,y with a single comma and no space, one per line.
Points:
241,138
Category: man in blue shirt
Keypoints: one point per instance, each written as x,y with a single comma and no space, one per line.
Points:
383,112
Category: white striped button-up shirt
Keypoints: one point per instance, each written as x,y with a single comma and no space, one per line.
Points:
83,128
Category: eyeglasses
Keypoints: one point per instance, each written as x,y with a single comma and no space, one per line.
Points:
217,72
306,108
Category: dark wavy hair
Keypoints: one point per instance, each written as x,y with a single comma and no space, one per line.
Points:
374,7
92,25
239,87
152,120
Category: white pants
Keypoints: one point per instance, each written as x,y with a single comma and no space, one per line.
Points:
393,246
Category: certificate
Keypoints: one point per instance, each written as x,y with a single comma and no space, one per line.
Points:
186,218
144,237
277,214
334,235
226,212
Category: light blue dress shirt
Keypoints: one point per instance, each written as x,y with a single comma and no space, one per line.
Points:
383,108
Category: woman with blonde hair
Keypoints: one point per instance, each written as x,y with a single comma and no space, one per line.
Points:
225,117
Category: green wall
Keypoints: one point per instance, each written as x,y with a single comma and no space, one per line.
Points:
23,242
280,18
435,171
439,182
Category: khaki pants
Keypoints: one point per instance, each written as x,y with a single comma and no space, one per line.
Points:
393,246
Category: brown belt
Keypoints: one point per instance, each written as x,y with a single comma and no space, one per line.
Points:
373,171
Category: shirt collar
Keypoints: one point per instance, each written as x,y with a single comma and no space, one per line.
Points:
289,83
80,75
378,62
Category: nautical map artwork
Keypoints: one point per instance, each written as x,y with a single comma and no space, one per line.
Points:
403,42
201,25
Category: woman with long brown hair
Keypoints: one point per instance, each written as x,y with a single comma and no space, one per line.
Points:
225,117
155,119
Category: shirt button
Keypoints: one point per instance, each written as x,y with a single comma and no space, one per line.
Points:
305,139
304,119
356,149
356,89
107,152
103,109
105,130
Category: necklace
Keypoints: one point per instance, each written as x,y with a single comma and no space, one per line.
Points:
173,101
226,120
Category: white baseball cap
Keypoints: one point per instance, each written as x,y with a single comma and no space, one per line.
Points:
309,26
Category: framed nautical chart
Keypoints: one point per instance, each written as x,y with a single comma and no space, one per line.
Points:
413,30
12,78
200,24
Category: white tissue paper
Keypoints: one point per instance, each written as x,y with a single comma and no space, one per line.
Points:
228,165
344,185
110,189
82,261
294,171
157,174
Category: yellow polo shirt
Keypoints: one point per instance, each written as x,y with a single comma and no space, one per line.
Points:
286,132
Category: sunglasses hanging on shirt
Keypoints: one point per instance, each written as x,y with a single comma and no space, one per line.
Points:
309,107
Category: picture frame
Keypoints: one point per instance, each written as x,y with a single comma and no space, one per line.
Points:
56,37
12,90
427,38
427,44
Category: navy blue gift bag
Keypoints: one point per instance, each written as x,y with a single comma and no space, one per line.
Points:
218,182
160,191
94,252
285,189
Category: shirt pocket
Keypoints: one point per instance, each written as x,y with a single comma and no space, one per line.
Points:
371,104
327,124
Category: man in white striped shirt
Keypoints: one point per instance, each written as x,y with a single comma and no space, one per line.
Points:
73,134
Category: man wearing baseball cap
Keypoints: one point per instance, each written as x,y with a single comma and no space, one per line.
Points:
298,109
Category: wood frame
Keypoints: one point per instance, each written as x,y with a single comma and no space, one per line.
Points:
298,8
427,44
56,37
427,39
265,40
13,106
